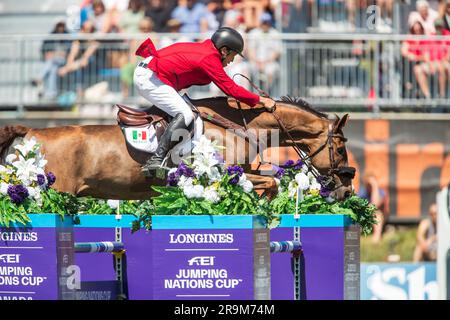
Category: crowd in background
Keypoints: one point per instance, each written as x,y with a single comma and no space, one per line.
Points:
79,59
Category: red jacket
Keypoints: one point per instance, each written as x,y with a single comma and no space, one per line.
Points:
182,65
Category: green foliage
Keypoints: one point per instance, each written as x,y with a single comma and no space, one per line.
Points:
52,202
357,208
234,201
361,211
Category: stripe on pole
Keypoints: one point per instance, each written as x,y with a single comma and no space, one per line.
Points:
285,246
95,247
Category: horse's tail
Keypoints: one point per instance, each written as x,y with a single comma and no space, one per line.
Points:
7,136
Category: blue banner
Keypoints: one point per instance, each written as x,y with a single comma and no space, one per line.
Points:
398,281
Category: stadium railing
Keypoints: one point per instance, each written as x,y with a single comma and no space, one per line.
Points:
336,71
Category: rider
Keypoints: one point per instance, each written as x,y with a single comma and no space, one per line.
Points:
162,73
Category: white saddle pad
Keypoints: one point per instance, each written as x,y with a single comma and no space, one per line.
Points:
144,138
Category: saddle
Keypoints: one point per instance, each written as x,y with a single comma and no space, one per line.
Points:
152,123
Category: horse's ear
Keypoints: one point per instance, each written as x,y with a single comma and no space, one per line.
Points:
341,122
336,120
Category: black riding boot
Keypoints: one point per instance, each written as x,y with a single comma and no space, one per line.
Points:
165,144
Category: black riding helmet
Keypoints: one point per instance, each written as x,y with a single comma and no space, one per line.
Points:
230,38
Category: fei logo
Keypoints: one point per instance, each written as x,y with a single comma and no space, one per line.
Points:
201,261
9,258
399,281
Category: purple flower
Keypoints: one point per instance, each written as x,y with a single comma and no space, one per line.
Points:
217,156
298,165
17,193
288,163
236,172
184,170
280,173
324,192
173,179
40,179
51,178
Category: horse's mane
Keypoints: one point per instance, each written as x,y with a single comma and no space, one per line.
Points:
302,104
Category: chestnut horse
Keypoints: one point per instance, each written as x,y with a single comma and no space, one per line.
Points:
95,160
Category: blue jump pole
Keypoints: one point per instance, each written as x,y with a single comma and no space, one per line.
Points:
285,246
104,246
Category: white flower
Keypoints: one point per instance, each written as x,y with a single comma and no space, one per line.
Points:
292,189
4,188
40,161
242,179
172,171
113,204
211,194
329,199
204,165
195,191
5,170
315,185
302,181
10,158
26,170
185,182
214,174
27,146
33,192
204,147
247,186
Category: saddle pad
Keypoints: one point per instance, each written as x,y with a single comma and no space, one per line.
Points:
141,138
145,138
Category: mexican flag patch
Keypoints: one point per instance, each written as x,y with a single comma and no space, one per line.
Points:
139,135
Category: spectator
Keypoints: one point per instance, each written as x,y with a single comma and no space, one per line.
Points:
131,18
264,52
159,11
173,26
424,15
217,7
430,56
252,11
127,69
191,14
426,245
446,18
370,190
81,58
54,53
412,51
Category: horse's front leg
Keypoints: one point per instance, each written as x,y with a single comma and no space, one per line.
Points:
263,183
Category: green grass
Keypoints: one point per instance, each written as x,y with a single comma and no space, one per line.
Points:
397,245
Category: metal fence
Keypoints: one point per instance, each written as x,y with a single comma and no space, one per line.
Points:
339,71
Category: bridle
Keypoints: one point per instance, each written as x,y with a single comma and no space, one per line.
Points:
326,180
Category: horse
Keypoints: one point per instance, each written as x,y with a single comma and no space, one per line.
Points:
95,160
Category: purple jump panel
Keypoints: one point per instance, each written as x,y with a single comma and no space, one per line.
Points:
98,270
33,258
328,268
138,265
210,257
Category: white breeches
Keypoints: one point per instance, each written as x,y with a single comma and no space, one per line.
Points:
160,94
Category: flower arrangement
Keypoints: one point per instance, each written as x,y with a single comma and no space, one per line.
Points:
207,186
26,188
296,181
